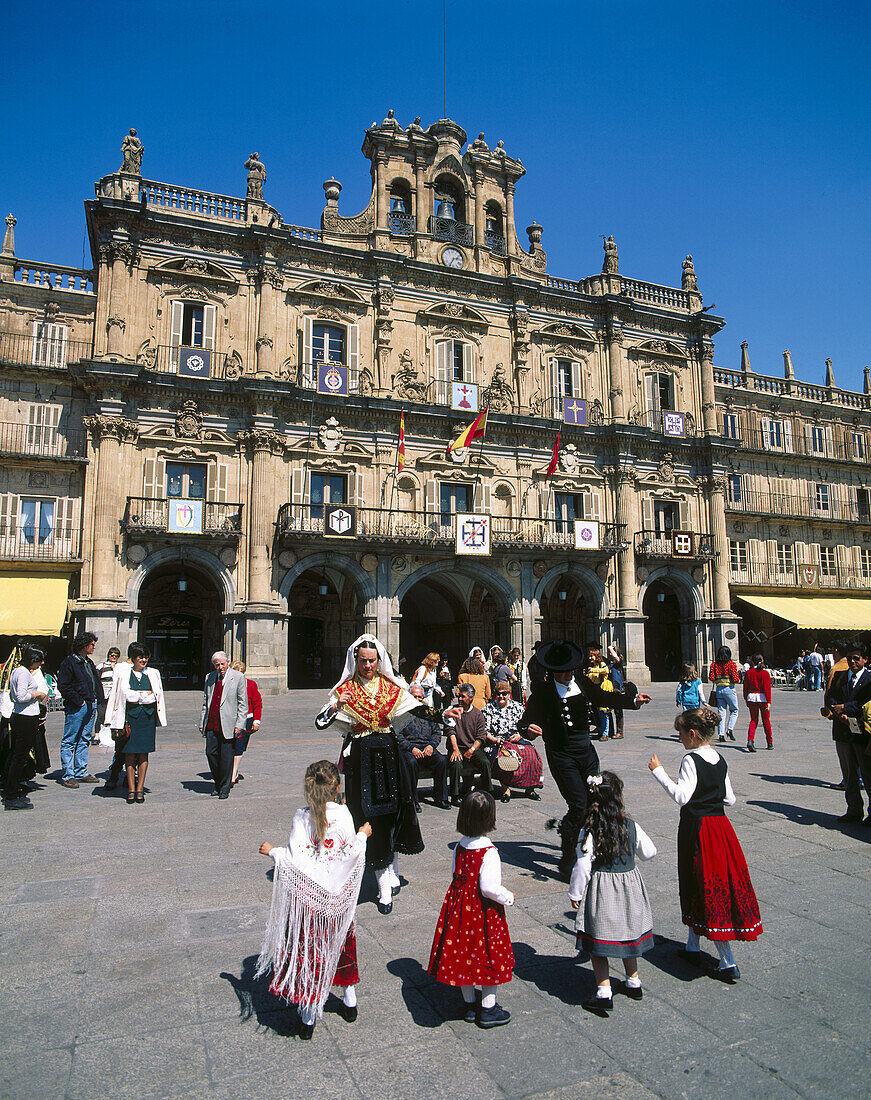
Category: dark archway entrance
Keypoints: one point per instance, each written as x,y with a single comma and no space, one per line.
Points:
564,614
324,618
662,632
181,626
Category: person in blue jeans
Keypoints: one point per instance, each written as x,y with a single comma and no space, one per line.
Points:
79,684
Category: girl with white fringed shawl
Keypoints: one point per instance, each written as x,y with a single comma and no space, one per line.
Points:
372,703
310,943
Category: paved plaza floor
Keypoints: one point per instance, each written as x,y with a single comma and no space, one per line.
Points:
129,936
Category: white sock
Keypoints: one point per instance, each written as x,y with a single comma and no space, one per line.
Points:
385,884
488,996
350,996
724,950
394,870
308,1014
604,990
468,992
692,941
633,983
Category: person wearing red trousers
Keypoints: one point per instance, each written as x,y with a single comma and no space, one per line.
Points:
757,696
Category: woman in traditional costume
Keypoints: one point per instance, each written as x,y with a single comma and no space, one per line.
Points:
372,704
310,943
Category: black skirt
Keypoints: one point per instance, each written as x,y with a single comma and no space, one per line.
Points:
378,789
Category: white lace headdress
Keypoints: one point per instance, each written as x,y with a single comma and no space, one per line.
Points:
384,663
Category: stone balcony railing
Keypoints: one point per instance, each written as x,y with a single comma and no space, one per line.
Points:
791,387
666,296
54,277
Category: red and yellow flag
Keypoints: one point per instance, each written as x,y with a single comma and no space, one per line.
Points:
400,446
474,431
551,468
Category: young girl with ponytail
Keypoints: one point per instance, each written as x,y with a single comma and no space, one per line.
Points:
309,943
616,921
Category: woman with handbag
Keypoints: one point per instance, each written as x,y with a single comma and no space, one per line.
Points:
514,761
139,706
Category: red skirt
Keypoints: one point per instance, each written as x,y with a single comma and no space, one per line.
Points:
716,895
346,971
528,775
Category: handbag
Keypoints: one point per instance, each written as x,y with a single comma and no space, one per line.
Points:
508,759
712,698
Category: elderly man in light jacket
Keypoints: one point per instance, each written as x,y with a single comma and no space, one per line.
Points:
225,708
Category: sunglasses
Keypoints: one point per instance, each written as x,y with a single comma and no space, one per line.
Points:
503,692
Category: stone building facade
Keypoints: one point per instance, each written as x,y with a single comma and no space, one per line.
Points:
177,432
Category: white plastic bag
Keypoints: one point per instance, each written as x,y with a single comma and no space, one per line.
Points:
6,704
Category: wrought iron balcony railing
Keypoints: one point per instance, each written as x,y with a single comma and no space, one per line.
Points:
786,575
27,349
40,542
495,242
401,224
661,544
798,441
41,440
152,516
446,229
810,506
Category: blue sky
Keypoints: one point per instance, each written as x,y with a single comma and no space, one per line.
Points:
738,132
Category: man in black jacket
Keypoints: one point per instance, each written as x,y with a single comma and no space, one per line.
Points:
846,694
418,741
562,711
79,683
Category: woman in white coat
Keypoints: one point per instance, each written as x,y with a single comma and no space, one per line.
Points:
138,706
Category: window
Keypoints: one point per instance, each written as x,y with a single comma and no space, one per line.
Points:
37,521
863,505
185,481
731,426
41,436
865,561
666,518
453,364
735,489
858,441
784,558
453,499
400,220
494,236
776,435
193,326
326,489
323,343
328,344
737,556
827,561
49,344
821,498
819,438
659,393
567,508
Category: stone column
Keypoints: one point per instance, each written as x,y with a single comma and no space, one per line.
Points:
616,371
122,255
382,204
627,515
270,282
421,204
709,402
720,563
510,232
479,209
261,444
107,433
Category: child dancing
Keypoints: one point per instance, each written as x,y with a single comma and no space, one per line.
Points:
716,895
309,943
615,921
471,947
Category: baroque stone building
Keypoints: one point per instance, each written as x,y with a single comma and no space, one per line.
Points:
170,463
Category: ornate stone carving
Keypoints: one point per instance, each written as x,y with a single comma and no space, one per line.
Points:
666,468
569,459
228,557
611,262
136,554
330,435
614,332
263,341
365,383
262,440
115,322
369,562
688,278
102,426
256,176
783,530
385,297
232,366
738,528
539,568
597,413
399,564
498,396
827,533
37,479
513,568
189,421
51,311
274,277
536,403
406,381
131,154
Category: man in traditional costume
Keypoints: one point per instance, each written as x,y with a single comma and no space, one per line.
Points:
562,711
372,703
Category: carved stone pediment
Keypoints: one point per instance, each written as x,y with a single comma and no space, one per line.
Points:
330,290
192,269
563,330
455,313
330,440
450,164
436,460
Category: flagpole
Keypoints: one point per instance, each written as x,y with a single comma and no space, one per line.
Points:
481,454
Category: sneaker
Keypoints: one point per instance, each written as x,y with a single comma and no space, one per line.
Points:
493,1017
17,804
71,783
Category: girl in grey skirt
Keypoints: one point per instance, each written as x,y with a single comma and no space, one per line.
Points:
615,921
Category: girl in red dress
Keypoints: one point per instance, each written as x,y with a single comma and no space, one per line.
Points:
472,948
716,895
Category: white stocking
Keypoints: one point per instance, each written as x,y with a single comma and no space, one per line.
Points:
488,995
384,878
724,950
692,940
350,996
308,1014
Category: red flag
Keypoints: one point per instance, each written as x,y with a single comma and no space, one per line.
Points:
400,447
551,468
474,431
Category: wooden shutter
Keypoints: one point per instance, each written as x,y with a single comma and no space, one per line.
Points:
468,364
651,393
592,505
353,358
149,483
177,323
307,350
209,327
218,491
576,379
787,435
356,488
481,498
765,429
431,495
646,512
443,372
297,485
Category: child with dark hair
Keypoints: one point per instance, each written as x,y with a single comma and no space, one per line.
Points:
616,921
471,948
716,895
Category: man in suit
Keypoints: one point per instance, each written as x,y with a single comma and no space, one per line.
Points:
853,690
225,710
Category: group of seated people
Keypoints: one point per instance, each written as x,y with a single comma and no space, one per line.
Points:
483,747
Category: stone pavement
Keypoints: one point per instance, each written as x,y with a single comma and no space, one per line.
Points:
129,936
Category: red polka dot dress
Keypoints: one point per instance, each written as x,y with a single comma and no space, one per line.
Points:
471,944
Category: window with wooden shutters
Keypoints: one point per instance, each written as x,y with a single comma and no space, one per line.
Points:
454,498
565,381
307,372
454,363
152,511
785,559
41,436
828,563
49,344
731,426
863,505
192,325
865,561
218,486
8,523
820,498
353,357
66,528
481,498
857,440
735,495
737,556
819,439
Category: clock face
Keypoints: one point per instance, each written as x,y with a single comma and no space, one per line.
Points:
452,257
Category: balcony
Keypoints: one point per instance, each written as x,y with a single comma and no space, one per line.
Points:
790,387
765,574
753,502
150,516
446,229
53,543
797,442
391,526
25,349
495,242
401,224
658,544
664,421
41,441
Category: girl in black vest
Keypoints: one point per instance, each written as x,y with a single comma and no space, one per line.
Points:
616,921
717,899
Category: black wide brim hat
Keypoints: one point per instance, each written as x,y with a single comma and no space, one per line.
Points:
561,656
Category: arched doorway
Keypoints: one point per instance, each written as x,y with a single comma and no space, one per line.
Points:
181,622
662,631
564,613
325,615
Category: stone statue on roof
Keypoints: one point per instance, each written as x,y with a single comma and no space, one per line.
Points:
611,263
688,278
131,151
256,176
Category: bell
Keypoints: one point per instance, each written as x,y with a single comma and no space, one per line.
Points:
445,210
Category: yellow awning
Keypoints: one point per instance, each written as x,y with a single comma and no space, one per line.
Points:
33,604
815,612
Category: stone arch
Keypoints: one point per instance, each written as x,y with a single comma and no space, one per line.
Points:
672,635
591,585
172,554
495,582
688,591
363,583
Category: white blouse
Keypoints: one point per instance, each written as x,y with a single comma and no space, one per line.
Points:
688,778
490,875
644,849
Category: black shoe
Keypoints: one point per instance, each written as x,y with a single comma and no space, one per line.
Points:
456,801
751,747
838,786
213,794
599,1006
694,958
728,974
505,796
417,807
850,819
394,890
771,746
471,1014
493,1017
533,794
306,1031
140,796
239,778
349,1015
227,796
633,992
21,803
384,908
730,735
443,804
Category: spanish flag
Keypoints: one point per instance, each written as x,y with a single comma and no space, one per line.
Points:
554,458
400,446
468,437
